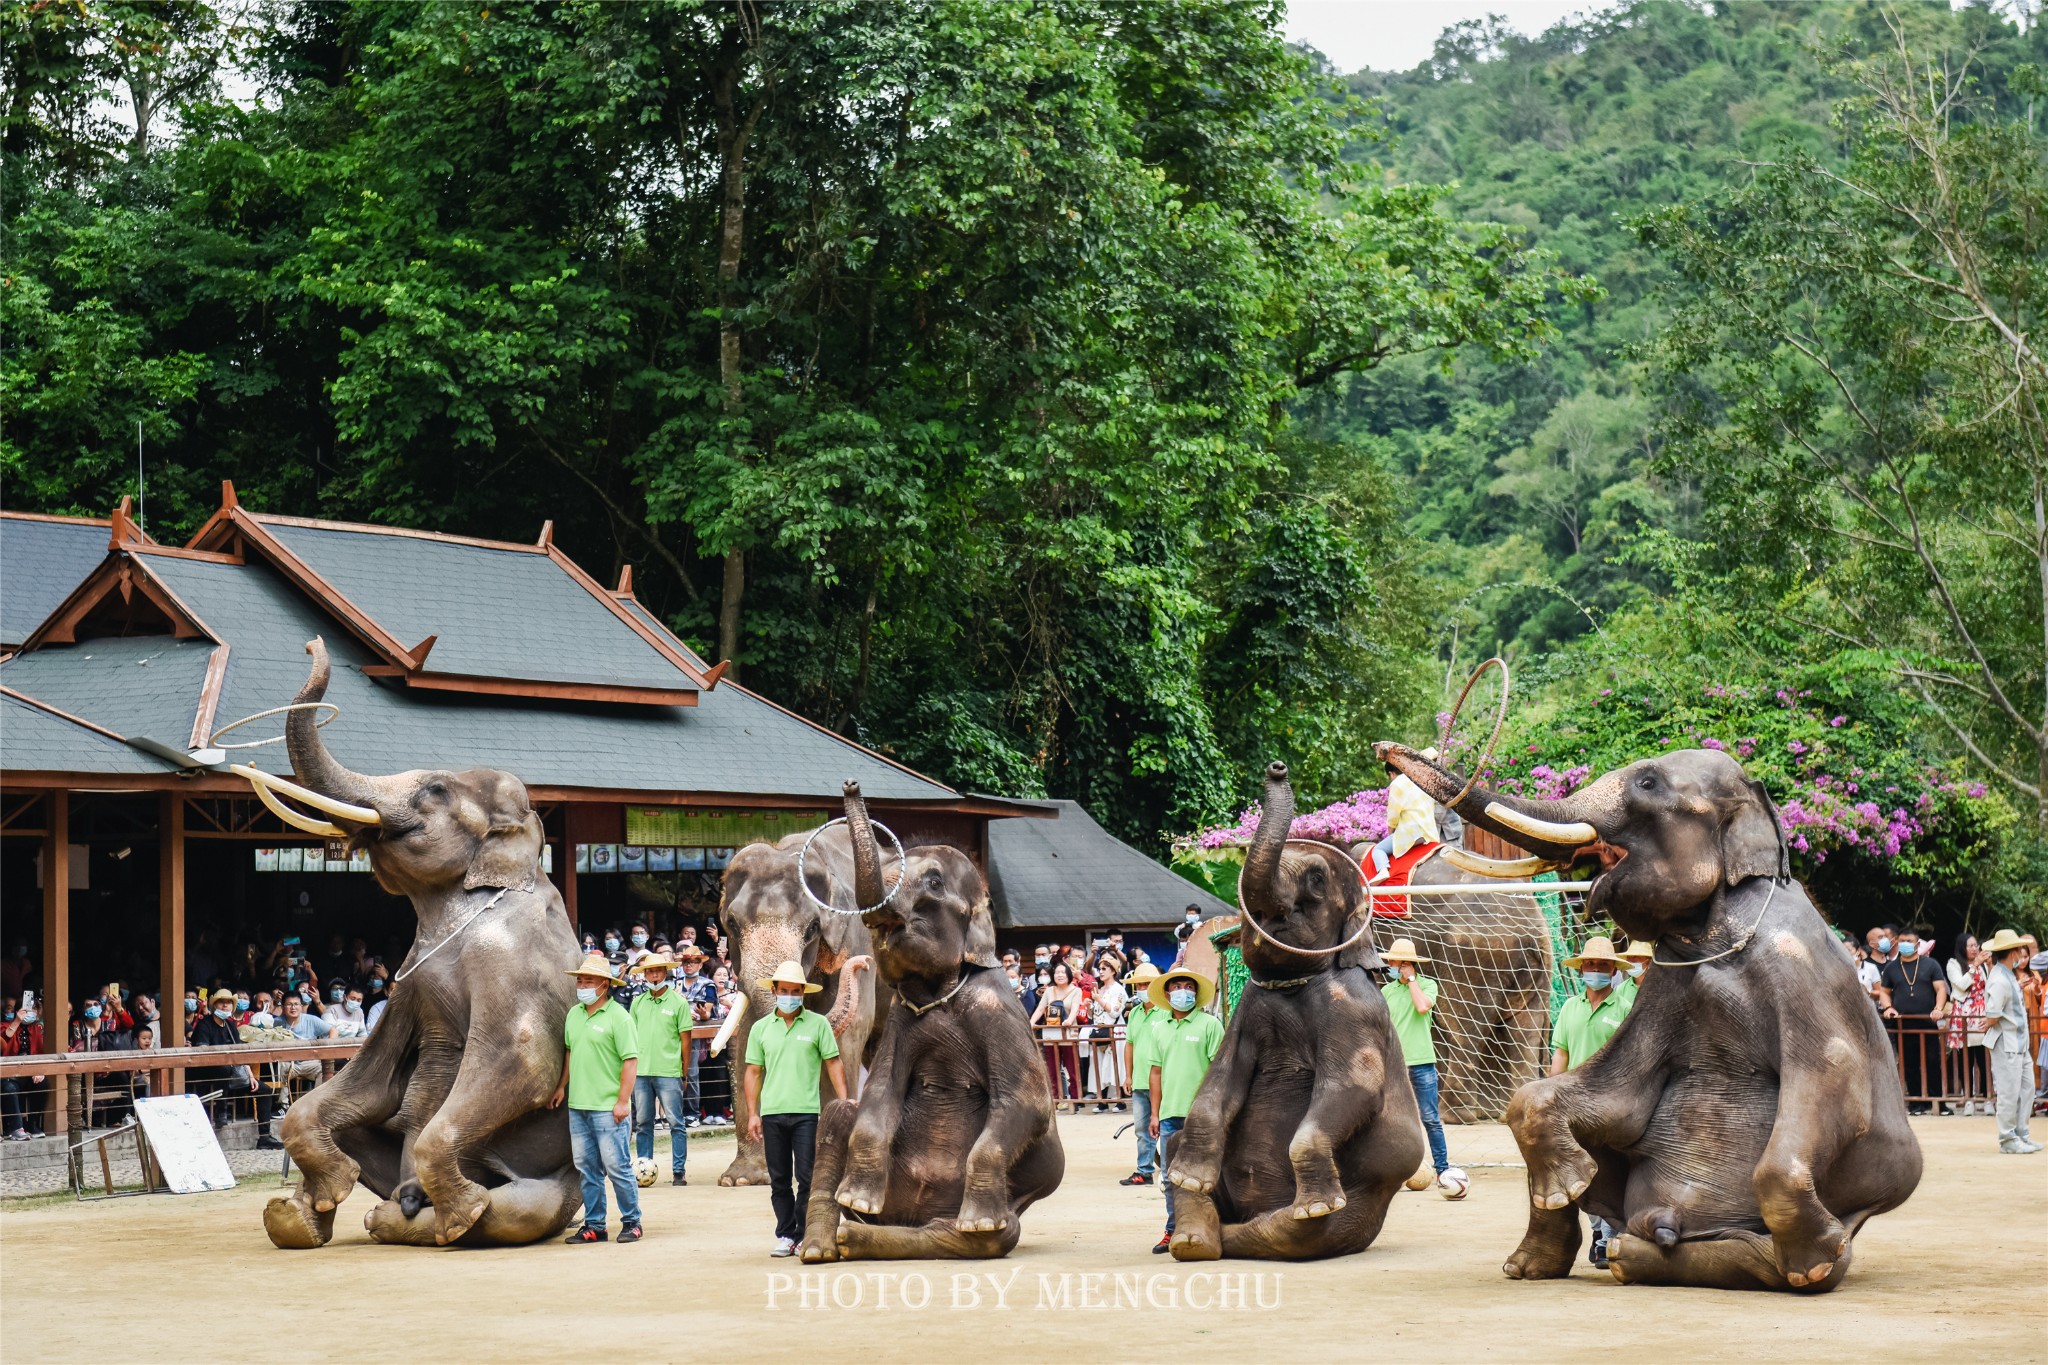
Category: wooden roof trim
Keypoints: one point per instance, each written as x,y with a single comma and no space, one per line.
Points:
364,528
26,700
209,699
59,625
9,515
633,623
221,516
522,687
308,580
184,552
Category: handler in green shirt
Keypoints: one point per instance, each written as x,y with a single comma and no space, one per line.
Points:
662,1019
1138,1066
1411,1000
785,1054
1183,1045
1586,1022
1635,960
597,1079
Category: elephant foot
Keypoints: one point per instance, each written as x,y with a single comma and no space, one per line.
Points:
1810,1260
1195,1173
391,1224
1318,1195
295,1225
1197,1229
816,1250
458,1214
983,1213
1544,1256
745,1172
863,1191
326,1182
1561,1177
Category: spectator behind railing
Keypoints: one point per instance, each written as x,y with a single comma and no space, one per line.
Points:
21,1108
1914,991
1968,1061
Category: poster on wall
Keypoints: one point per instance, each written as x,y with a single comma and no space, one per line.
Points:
312,860
715,859
604,858
291,860
266,860
661,858
583,857
359,861
632,858
689,859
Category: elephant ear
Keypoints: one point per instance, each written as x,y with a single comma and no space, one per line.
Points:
509,856
1365,953
981,936
1752,840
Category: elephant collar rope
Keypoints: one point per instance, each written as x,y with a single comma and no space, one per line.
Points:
404,972
1260,930
1286,985
921,1010
1740,943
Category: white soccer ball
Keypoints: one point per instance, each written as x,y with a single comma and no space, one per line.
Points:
645,1171
1453,1183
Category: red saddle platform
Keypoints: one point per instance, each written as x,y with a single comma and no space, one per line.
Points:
1398,872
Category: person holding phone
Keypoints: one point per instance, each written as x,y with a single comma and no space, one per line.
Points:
1059,1006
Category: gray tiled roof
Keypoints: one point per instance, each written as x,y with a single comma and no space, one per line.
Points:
40,563
498,613
141,685
33,740
1071,872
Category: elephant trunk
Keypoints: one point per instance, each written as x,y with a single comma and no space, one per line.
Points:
848,1003
313,766
1262,860
867,863
1554,830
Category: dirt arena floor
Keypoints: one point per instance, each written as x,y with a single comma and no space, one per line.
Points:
1956,1274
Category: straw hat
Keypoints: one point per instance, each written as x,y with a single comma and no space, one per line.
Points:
2004,941
1599,948
1205,989
652,960
790,970
1142,975
595,965
221,995
690,950
1403,951
1639,950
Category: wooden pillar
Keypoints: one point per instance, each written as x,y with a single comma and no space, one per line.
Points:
171,982
568,871
53,1008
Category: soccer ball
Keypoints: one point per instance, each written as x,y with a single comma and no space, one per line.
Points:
1453,1183
645,1171
1421,1180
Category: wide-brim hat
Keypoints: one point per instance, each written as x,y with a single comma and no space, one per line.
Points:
597,964
1403,951
1599,948
690,950
226,995
790,970
1639,950
1205,989
1142,974
651,961
2004,941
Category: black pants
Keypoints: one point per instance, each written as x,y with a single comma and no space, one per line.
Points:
1920,1048
789,1141
229,1081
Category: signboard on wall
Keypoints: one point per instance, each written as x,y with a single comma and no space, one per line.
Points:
688,827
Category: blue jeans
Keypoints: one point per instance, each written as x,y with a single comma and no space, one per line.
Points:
669,1090
1167,1128
1148,1149
1424,1079
598,1143
693,1086
1383,856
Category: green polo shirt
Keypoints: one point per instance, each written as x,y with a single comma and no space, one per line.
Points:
1138,1030
1625,988
791,1056
600,1043
1411,1025
659,1022
1581,1030
1182,1050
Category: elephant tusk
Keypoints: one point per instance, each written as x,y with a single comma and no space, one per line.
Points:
1482,866
1549,831
295,818
264,783
732,1021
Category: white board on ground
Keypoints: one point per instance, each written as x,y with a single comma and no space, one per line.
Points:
184,1144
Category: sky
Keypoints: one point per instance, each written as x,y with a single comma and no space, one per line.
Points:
1395,35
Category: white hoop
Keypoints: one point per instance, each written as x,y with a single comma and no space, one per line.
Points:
1247,917
901,869
213,741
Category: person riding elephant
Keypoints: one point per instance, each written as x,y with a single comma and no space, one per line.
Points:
1746,1118
443,1114
1306,1125
953,1136
769,919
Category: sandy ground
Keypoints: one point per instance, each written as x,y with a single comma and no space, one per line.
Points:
1954,1275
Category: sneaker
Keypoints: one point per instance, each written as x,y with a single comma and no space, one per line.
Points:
583,1237
1121,1107
1165,1244
269,1144
2026,1145
1597,1253
1136,1178
692,1121
1101,1108
630,1233
18,1135
784,1246
678,1180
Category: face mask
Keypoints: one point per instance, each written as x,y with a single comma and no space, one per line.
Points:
1194,919
354,1007
1907,950
611,945
336,995
241,1002
28,1016
639,940
1040,961
657,986
788,1004
92,1011
1884,945
191,1005
376,983
10,1017
1635,971
586,995
1597,981
1181,999
222,1012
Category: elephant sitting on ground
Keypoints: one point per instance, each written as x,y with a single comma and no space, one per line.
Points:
953,1136
1746,1118
443,1114
1306,1124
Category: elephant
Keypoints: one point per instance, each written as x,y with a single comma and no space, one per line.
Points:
1306,1124
953,1136
769,920
1492,963
1746,1118
443,1114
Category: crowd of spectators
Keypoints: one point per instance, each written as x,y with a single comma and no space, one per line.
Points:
1079,1006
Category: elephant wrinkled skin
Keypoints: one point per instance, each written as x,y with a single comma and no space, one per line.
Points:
1746,1119
953,1135
1306,1125
443,1114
